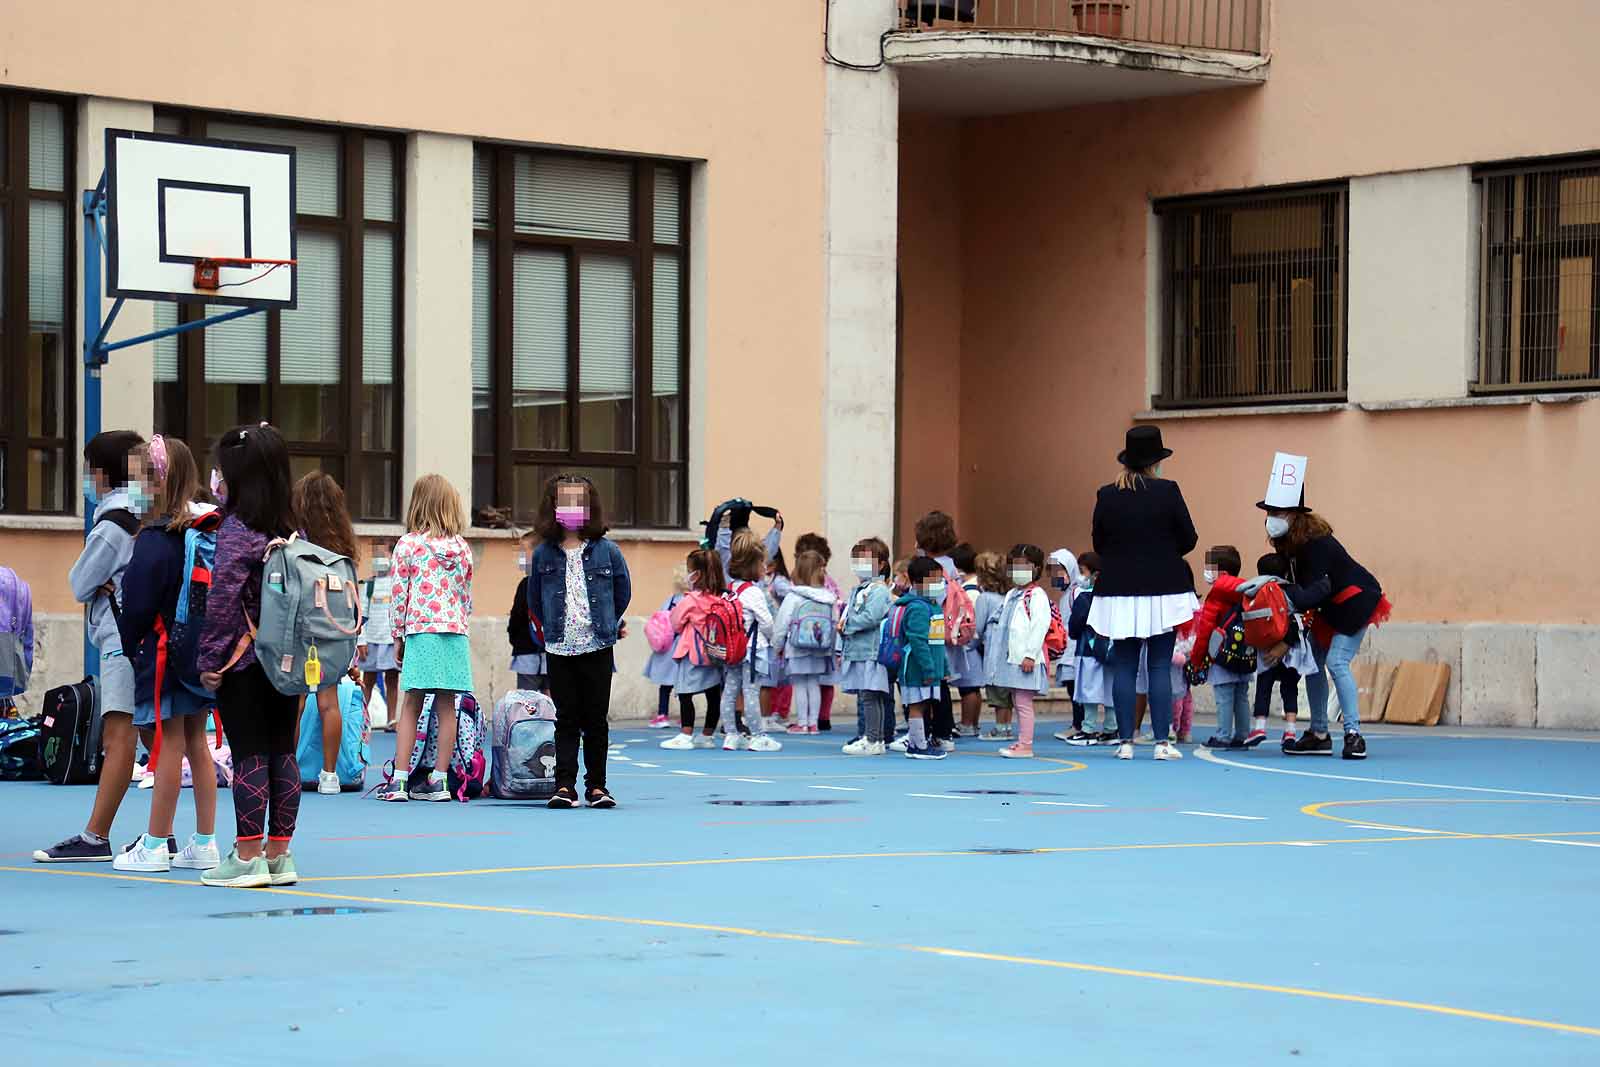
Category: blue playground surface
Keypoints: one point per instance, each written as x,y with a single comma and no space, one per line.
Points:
1431,905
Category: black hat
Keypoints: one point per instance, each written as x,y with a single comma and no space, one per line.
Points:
1143,448
1300,507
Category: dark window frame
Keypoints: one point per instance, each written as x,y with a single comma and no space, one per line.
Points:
1508,356
15,195
1328,266
350,227
642,248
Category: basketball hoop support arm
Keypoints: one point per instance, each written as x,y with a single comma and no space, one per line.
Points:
96,348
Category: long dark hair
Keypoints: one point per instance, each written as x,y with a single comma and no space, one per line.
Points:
319,503
255,464
551,531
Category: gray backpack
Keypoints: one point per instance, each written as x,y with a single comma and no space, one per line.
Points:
310,612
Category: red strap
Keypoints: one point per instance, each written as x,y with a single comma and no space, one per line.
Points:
1347,593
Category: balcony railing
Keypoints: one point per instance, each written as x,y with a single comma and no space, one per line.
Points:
1219,25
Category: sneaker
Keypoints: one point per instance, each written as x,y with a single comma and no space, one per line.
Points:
702,741
1309,744
1355,746
679,742
1236,745
733,742
763,743
948,744
961,731
1255,738
235,873
858,747
931,752
393,790
1107,737
1166,750
74,850
600,798
899,744
145,860
660,722
1288,742
172,845
562,799
328,783
825,725
1017,751
1080,739
432,789
794,728
281,870
1125,750
814,729
1216,741
998,732
195,857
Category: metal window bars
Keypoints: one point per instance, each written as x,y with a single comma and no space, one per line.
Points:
1253,307
1220,25
1539,286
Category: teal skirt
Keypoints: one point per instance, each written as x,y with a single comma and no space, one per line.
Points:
437,661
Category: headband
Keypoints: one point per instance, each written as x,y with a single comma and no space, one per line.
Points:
158,456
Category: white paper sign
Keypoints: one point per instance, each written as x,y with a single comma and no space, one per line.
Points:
1287,486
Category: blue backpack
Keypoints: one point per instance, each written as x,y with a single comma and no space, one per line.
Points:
354,740
892,639
183,641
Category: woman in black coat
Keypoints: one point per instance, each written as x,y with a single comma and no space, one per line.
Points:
1142,531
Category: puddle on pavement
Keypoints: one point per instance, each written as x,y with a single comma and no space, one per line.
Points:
1002,851
777,803
1003,793
294,913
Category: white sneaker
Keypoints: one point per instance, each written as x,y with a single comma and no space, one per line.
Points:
197,857
1062,735
732,742
146,860
148,781
328,783
678,742
898,744
1125,750
763,743
1168,750
701,741
858,747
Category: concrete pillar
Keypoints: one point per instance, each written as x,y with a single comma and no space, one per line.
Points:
860,174
127,390
438,312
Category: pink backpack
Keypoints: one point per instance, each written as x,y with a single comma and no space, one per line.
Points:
658,631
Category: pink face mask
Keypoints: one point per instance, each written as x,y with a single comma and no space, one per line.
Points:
572,517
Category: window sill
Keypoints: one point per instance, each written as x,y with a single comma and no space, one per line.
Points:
1166,414
73,523
484,533
1478,400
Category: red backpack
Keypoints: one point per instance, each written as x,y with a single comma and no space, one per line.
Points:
1055,638
959,623
1266,616
720,639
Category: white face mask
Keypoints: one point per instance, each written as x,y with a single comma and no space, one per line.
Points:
862,568
1277,526
380,565
1020,576
1211,576
933,590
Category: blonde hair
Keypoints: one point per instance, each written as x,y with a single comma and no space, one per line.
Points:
809,569
747,557
990,569
435,508
1133,478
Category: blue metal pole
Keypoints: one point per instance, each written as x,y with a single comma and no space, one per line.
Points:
93,358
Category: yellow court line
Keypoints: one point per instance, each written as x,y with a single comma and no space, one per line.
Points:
948,953
1316,812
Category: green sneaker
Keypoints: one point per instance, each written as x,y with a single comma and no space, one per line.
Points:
235,873
282,870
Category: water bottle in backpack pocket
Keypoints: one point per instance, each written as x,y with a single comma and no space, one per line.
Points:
310,614
354,736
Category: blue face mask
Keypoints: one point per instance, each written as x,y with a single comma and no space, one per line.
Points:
1059,582
140,499
89,493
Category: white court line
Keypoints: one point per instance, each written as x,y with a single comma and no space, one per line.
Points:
619,758
1064,804
837,788
1211,757
691,774
1553,841
1402,829
652,766
939,796
1221,815
1301,844
752,781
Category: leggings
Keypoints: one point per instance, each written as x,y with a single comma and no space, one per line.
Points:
713,709
1288,681
1125,680
737,680
807,700
663,701
1022,702
825,709
876,715
260,725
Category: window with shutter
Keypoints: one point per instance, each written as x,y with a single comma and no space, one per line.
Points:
539,348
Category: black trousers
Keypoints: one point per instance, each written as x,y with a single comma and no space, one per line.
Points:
581,689
943,725
1288,681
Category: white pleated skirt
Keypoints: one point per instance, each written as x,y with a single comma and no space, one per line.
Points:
1121,617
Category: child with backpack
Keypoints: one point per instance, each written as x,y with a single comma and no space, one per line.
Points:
965,661
324,520
1298,661
1091,653
16,636
805,633
860,625
815,542
375,646
578,591
776,692
1061,571
936,538
697,669
661,668
160,596
1024,624
527,642
260,721
747,560
1219,657
114,463
990,569
432,606
922,664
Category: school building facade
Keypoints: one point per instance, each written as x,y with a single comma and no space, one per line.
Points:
863,258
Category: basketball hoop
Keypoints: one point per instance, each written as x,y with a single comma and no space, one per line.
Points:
206,271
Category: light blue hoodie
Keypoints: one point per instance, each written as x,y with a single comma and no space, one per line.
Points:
106,552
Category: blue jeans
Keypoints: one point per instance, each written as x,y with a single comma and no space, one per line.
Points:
1233,710
1125,682
1335,660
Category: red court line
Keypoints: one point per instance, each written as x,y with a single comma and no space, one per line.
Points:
776,822
415,837
1096,811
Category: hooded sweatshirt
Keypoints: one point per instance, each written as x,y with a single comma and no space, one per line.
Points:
106,552
800,595
432,585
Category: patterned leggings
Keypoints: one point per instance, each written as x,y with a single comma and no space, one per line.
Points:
260,725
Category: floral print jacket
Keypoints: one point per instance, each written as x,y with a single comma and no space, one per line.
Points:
432,591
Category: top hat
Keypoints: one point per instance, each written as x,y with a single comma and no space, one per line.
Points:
1300,506
1143,448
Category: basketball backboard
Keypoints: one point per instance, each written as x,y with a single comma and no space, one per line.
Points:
174,202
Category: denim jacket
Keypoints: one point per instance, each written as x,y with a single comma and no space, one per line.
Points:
604,571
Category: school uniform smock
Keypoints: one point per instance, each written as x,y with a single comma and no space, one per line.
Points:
985,625
1141,536
1024,621
864,613
1092,685
922,667
800,664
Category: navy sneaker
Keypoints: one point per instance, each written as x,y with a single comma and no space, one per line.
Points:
74,850
1355,746
1310,744
565,798
931,751
600,798
1219,742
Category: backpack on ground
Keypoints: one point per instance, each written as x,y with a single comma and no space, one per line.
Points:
811,630
355,735
19,750
960,624
183,640
16,634
69,746
310,615
892,639
467,764
1229,649
522,747
719,640
1266,616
